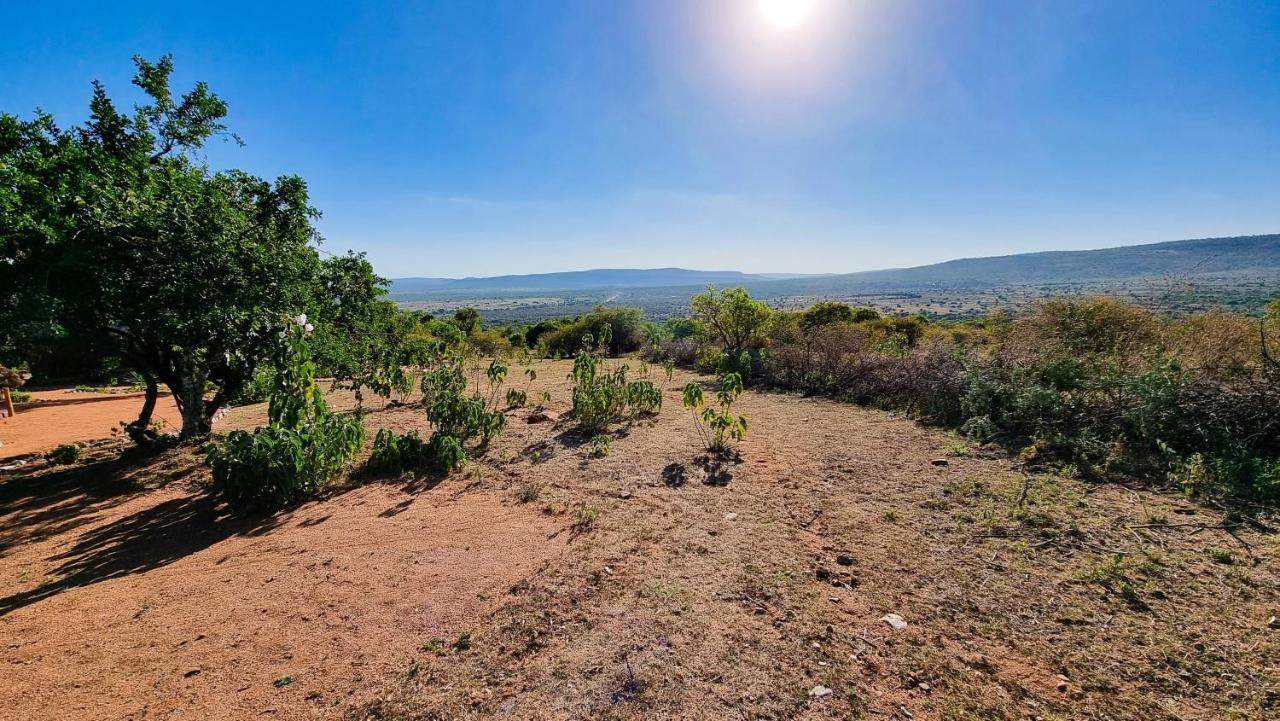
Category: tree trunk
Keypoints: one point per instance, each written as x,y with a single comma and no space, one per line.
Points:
190,397
140,430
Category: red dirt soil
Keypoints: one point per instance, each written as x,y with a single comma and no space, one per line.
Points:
62,416
164,607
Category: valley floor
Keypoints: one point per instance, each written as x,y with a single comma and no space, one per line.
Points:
652,582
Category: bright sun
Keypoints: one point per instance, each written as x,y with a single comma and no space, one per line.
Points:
785,14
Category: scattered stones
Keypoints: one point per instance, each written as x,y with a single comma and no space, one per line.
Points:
820,691
895,621
844,559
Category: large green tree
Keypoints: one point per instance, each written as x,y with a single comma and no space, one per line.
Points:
117,234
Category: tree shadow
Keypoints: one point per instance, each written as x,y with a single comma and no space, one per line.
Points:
41,506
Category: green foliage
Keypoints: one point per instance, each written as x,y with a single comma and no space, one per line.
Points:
457,416
144,252
10,378
517,398
19,396
718,427
63,455
600,445
1097,383
601,397
731,316
302,446
617,330
398,453
467,320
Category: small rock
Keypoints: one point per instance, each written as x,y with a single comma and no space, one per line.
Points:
1273,622
730,516
820,691
844,559
823,573
939,461
895,621
191,672
1063,683
624,495
541,416
833,599
924,687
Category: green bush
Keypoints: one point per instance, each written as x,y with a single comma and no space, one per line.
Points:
1095,382
63,455
302,446
398,453
627,331
601,397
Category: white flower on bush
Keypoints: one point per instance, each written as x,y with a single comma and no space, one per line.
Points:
300,320
308,327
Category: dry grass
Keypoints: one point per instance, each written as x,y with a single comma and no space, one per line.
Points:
699,588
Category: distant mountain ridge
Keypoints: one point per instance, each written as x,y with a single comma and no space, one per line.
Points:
1177,257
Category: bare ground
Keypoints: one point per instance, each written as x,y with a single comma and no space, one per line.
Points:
650,583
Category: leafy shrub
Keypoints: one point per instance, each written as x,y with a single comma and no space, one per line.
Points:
718,427
19,396
1094,382
517,398
63,455
601,397
731,316
302,446
626,331
398,453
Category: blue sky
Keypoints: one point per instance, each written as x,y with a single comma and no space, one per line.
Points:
474,138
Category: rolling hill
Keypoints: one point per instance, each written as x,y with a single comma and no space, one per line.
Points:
1179,257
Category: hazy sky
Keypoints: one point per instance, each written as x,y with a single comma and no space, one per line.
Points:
479,138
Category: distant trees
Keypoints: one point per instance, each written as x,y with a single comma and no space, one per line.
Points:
732,316
115,234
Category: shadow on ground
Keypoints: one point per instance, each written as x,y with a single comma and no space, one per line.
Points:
36,507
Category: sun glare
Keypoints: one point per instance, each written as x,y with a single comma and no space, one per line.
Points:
785,14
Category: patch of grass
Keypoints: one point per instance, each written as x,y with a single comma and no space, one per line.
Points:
585,517
959,449
434,645
142,610
1220,555
599,445
528,492
464,642
282,681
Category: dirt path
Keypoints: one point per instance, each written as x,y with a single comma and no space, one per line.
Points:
65,416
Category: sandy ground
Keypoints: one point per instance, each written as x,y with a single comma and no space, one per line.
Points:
652,582
65,416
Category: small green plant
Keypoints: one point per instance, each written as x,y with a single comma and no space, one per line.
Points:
600,396
718,427
464,642
599,445
528,492
282,681
63,455
670,367
398,453
585,517
1220,555
517,398
435,645
19,396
